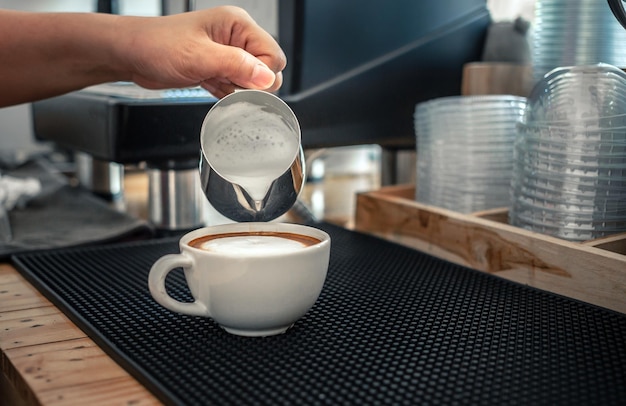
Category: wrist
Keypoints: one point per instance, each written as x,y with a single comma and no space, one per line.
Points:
103,49
119,46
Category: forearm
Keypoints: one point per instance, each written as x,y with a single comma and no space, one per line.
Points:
47,54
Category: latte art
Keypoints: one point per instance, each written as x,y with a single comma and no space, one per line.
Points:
254,243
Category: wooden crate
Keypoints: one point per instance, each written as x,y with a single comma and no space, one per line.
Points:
496,78
593,271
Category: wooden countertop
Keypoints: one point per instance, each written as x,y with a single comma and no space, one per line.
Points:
46,359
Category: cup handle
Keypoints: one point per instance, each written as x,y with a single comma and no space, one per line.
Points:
156,283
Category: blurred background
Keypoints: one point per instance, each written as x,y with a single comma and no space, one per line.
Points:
335,174
16,121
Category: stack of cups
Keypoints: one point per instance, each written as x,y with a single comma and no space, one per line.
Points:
575,32
465,151
570,175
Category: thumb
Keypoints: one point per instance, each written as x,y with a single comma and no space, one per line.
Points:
247,71
262,76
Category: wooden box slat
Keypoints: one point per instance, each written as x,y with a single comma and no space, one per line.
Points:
583,271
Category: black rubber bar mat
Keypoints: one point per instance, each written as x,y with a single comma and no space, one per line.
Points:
392,326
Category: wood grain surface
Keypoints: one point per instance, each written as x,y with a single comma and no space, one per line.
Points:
47,360
580,271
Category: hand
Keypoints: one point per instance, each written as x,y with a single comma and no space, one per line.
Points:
219,49
49,54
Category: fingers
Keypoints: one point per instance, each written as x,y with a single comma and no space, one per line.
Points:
220,49
218,87
221,87
239,69
247,55
238,29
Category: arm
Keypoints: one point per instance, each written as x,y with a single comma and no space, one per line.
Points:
47,54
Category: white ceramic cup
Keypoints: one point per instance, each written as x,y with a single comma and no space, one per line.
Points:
246,289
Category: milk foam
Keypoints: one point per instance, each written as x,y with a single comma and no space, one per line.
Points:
251,147
252,245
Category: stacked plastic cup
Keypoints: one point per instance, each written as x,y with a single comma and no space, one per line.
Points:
575,32
570,155
465,151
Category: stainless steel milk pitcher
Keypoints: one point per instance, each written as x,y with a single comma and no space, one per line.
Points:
252,164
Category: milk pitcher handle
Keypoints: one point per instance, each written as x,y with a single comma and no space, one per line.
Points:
156,283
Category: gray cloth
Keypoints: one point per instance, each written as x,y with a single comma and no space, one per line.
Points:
64,216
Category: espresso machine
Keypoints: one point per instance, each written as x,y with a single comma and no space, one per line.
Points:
113,125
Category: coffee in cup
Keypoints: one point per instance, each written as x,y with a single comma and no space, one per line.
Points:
253,279
255,241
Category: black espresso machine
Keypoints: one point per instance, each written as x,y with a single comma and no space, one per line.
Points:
116,124
356,70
